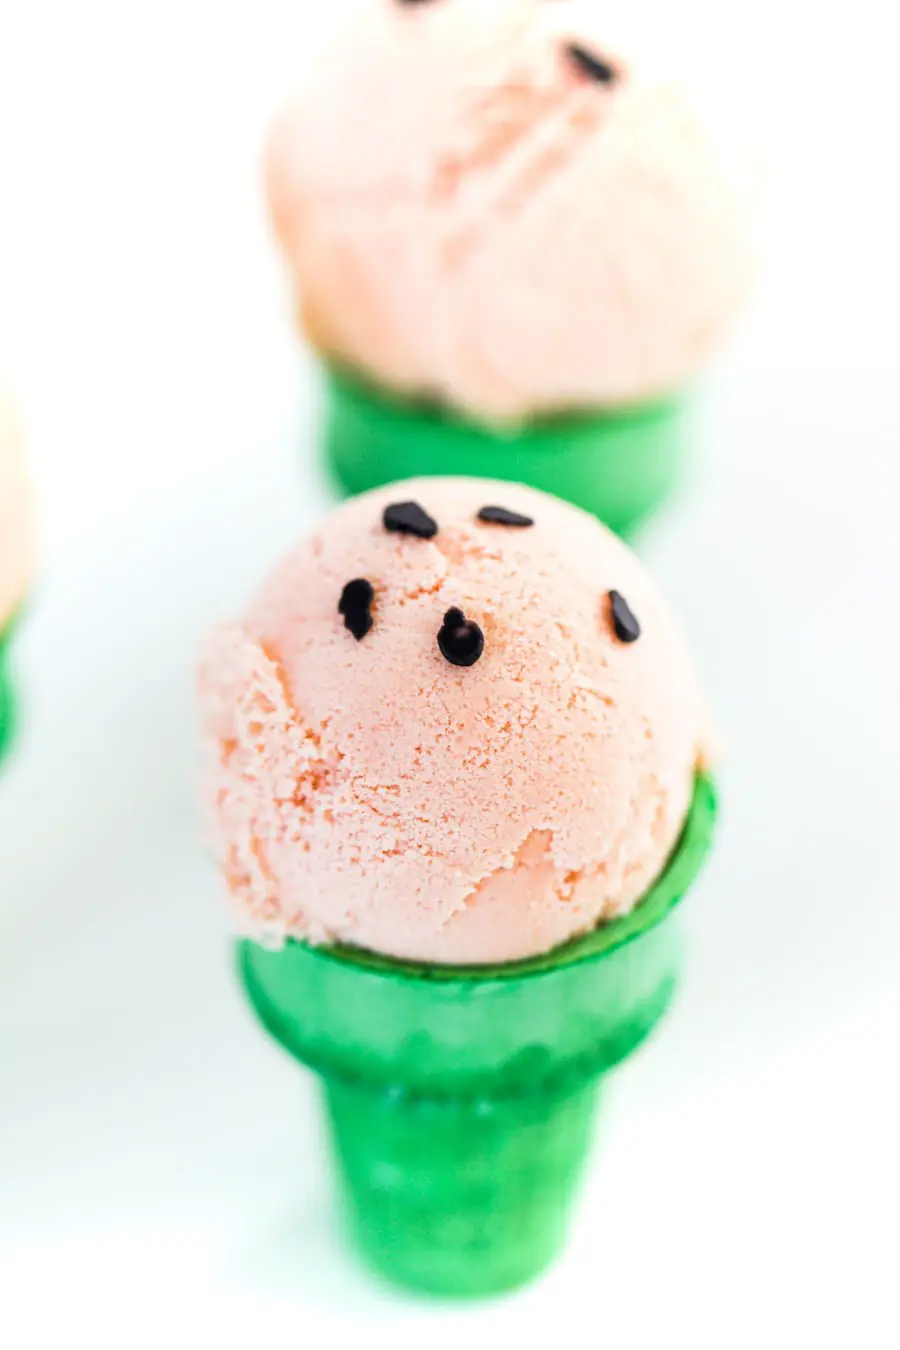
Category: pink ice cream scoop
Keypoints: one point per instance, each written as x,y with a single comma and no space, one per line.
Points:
484,202
16,525
456,725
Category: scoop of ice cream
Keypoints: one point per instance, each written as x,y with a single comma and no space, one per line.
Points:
457,724
15,515
483,201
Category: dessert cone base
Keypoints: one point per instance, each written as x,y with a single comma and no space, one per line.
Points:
461,1099
460,1198
7,706
620,465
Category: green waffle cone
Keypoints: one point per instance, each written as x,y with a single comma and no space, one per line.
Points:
462,1100
620,465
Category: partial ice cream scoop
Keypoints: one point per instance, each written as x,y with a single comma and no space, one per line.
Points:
16,524
457,725
483,202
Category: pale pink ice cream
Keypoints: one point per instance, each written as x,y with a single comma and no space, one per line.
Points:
467,214
367,791
16,523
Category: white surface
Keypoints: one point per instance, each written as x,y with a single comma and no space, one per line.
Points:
161,1173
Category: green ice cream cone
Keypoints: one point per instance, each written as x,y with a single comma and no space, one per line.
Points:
6,694
462,1100
620,465
461,1198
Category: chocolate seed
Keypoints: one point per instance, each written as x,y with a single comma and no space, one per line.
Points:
498,515
409,518
460,639
626,625
356,606
589,65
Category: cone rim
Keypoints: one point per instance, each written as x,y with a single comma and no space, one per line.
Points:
683,865
350,384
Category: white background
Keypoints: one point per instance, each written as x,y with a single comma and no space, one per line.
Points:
161,1173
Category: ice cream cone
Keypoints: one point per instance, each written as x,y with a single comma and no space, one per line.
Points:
16,550
461,1100
505,208
620,465
455,771
6,696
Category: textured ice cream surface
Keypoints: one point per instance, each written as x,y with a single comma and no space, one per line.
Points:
366,787
486,202
16,523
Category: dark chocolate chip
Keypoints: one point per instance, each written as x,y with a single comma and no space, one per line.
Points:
461,641
356,606
498,515
409,518
626,625
593,67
